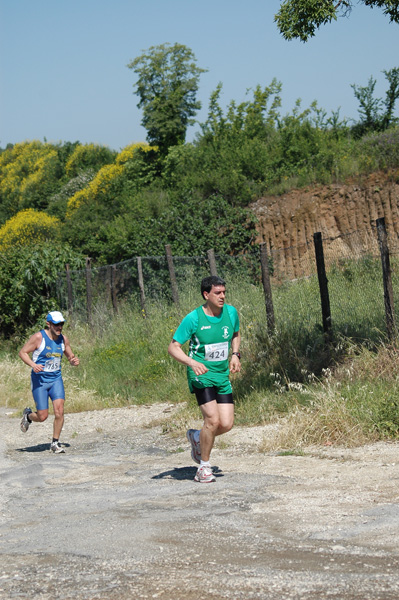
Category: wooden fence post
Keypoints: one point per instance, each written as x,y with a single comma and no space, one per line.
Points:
264,262
141,285
88,291
212,262
387,279
69,288
113,289
169,258
108,283
323,284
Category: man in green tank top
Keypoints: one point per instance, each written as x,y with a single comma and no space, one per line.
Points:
212,329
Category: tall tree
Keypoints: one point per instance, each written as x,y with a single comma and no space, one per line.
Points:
299,19
377,114
167,85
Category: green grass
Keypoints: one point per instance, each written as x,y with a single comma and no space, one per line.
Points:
345,394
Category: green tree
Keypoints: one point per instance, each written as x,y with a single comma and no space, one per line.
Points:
167,85
229,158
392,94
376,114
299,19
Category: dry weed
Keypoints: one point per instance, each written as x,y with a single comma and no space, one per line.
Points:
80,400
14,383
370,365
326,422
15,390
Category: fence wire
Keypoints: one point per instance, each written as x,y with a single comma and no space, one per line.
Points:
353,268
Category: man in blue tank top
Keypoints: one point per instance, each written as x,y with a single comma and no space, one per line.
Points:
212,329
47,348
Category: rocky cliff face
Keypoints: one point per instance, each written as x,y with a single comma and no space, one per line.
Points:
344,214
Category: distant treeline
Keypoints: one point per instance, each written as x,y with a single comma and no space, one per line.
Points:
60,203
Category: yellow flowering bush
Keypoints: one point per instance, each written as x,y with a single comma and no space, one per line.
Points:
97,187
25,169
88,156
111,174
130,151
26,227
44,169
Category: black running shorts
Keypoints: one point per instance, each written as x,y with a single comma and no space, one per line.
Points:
209,394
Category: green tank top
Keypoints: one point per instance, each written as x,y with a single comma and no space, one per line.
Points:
210,343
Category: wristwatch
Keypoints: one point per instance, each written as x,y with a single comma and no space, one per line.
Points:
236,354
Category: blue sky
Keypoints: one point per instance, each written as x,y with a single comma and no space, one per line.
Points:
63,73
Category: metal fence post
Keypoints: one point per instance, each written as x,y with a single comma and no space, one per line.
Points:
141,285
88,291
387,279
323,283
264,262
69,288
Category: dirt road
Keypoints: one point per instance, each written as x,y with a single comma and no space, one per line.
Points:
120,517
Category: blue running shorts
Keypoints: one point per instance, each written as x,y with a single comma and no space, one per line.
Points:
42,391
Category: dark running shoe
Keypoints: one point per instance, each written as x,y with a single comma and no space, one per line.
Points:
24,421
195,446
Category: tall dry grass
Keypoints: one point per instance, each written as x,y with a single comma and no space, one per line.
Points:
346,395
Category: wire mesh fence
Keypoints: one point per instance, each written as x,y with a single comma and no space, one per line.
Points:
355,283
352,263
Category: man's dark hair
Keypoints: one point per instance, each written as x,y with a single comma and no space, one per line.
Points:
208,282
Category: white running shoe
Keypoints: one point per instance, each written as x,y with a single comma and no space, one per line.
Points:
195,446
24,421
56,448
204,475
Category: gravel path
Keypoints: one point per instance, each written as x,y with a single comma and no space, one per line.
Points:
120,517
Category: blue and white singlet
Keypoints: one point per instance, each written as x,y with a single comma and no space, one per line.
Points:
49,354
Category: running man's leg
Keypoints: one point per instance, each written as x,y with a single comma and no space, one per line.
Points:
39,416
226,417
211,423
57,395
58,406
218,419
40,396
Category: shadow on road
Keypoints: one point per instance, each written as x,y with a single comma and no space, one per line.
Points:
38,448
182,473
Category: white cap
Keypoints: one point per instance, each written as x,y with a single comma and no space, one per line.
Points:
55,317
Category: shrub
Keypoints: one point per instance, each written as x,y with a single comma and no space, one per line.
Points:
380,150
29,174
57,204
27,227
132,151
88,156
27,275
191,225
97,188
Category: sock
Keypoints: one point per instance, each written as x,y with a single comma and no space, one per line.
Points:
55,440
205,463
28,419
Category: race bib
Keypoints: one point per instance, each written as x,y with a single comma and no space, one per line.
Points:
54,364
214,352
